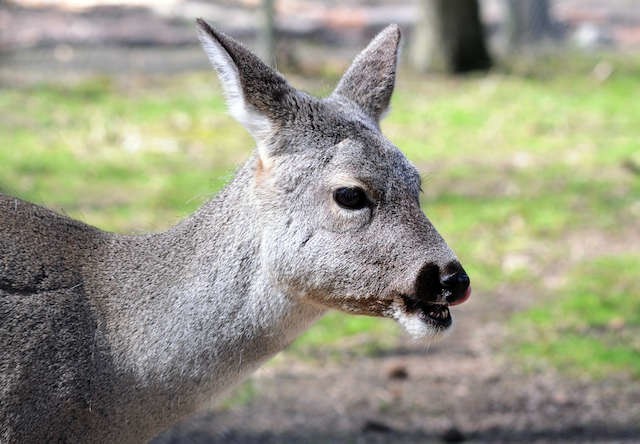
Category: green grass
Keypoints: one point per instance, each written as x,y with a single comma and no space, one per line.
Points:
512,165
337,334
124,160
592,326
238,396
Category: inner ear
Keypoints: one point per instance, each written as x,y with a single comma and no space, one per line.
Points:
370,79
257,96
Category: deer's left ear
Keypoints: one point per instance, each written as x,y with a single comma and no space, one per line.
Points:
257,96
370,79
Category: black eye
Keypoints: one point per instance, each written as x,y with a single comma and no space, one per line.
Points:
352,198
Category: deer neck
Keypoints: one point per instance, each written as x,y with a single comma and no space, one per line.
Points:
201,313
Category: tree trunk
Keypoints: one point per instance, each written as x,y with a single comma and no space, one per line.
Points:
267,33
528,21
449,36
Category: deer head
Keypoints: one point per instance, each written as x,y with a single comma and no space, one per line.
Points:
338,202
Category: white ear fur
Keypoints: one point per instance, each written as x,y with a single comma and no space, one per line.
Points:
258,125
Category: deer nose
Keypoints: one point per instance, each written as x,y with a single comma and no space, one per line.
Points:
457,284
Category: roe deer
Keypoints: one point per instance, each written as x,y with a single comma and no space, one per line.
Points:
112,338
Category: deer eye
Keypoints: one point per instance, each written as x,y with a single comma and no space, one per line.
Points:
352,198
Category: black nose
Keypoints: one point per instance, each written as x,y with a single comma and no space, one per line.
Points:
457,284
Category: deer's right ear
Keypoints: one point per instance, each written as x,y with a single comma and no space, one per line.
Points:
257,96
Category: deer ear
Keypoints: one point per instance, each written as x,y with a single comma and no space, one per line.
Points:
257,96
370,79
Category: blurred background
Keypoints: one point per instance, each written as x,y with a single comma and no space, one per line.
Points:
524,119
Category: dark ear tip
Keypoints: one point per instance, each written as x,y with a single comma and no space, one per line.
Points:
203,25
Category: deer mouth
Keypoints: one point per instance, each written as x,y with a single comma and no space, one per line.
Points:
419,317
436,315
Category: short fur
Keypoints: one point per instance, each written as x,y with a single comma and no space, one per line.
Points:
112,338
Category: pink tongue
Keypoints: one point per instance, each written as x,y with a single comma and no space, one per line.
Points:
467,295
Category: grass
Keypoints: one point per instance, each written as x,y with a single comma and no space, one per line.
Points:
513,166
592,327
124,160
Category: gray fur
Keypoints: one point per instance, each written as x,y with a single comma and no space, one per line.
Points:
112,338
